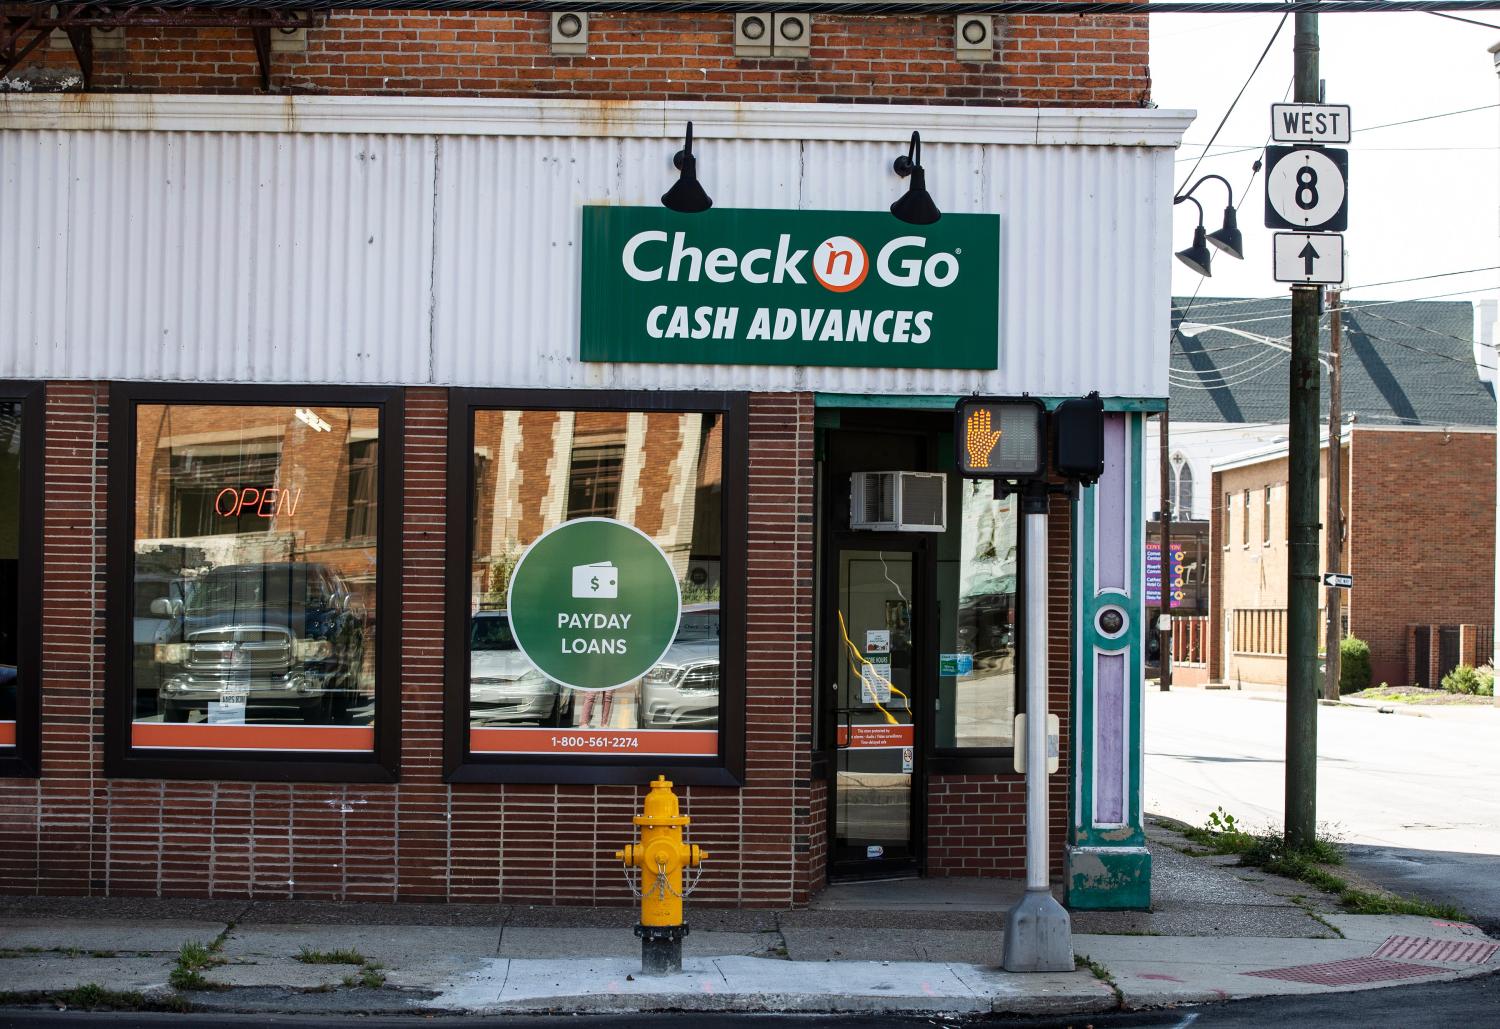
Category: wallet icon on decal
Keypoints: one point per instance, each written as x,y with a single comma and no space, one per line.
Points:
598,581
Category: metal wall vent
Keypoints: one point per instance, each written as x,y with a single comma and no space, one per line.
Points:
898,501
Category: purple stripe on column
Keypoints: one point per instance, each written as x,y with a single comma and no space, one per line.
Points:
1109,739
1112,511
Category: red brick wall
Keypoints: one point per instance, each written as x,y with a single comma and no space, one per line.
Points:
1046,60
76,832
1421,543
977,823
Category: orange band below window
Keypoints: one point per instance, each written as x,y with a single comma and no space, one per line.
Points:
616,742
869,737
7,734
253,737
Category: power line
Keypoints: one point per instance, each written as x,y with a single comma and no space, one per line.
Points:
1233,103
1471,21
1387,125
1356,306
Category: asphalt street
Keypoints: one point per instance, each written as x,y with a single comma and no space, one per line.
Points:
1470,1002
1413,795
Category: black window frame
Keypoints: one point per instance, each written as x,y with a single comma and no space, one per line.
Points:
121,759
24,761
728,767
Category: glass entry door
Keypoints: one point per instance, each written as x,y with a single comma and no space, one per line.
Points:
875,646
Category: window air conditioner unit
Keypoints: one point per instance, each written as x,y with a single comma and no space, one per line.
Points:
898,501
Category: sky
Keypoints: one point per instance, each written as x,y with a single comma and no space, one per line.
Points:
1423,198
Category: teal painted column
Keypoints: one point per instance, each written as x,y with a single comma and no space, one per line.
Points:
1107,866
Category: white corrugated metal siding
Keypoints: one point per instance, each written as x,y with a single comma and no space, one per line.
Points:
299,256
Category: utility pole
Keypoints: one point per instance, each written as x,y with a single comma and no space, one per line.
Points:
1164,573
1333,535
1302,511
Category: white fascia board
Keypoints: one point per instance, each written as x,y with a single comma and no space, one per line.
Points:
485,116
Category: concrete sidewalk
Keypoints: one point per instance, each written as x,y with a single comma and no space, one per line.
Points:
1217,932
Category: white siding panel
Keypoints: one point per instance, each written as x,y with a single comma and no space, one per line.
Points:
454,259
219,256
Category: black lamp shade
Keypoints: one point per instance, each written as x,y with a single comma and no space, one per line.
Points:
686,195
1197,256
915,206
1228,238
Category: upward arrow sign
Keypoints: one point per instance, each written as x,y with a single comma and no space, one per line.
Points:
1308,255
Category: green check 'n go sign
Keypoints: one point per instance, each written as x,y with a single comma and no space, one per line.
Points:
846,288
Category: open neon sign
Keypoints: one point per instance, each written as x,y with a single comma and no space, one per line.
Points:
269,502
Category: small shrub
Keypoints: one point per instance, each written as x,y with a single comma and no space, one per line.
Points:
1486,675
1354,665
1463,679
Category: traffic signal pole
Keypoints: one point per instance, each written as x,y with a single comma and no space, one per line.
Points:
1302,512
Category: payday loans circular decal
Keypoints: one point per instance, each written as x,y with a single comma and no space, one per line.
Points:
594,603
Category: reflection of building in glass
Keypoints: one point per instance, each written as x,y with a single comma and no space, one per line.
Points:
659,471
10,553
255,563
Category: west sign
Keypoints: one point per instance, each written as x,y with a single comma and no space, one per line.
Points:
846,288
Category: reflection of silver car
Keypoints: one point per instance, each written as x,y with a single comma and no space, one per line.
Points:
159,602
683,689
504,687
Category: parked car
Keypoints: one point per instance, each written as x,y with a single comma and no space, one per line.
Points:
504,687
155,623
682,690
284,635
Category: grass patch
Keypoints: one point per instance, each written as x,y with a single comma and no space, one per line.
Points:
348,956
1311,864
1363,902
370,975
193,959
1100,972
93,997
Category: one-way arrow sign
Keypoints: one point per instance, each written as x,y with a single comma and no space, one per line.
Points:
1316,257
1338,580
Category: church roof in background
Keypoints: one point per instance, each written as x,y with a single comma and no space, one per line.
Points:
1404,363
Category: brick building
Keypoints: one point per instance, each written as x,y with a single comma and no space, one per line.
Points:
1419,541
362,311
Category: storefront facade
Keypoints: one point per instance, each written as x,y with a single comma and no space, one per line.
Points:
313,374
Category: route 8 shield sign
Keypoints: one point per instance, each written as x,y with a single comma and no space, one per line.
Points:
1307,188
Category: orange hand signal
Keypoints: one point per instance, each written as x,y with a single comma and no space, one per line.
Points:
979,440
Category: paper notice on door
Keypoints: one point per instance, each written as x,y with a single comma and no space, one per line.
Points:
907,754
875,684
877,641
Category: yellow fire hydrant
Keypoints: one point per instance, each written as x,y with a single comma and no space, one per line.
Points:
661,856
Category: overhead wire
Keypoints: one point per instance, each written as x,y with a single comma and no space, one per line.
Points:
1238,149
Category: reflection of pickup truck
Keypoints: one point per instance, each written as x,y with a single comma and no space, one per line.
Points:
155,623
682,689
285,634
504,687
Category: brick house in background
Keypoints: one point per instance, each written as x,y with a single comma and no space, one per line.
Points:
1419,541
377,216
1406,364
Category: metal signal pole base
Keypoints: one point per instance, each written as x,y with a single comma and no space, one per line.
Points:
661,948
1038,932
1038,935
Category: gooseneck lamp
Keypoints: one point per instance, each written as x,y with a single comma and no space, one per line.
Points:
1226,238
915,206
1197,257
686,195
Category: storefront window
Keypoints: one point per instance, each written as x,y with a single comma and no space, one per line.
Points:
977,587
662,472
254,596
10,572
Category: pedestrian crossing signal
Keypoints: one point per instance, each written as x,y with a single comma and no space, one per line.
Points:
1001,438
